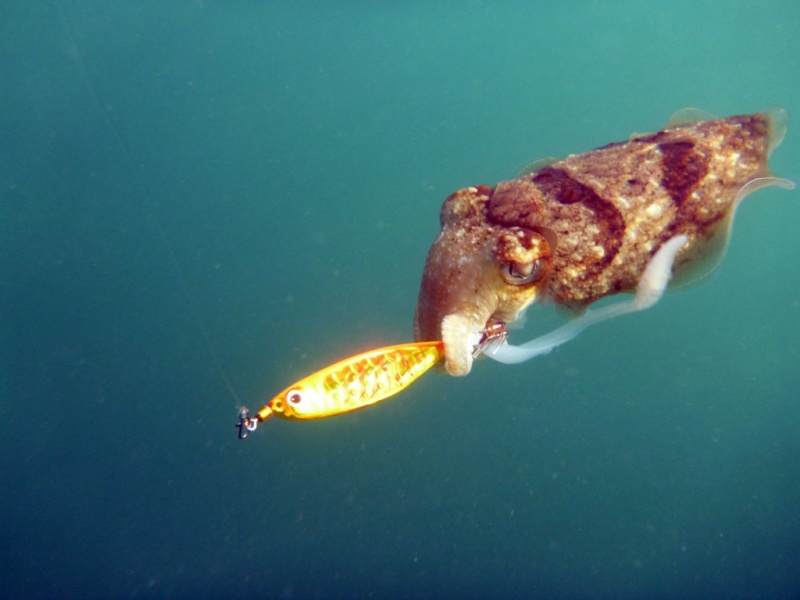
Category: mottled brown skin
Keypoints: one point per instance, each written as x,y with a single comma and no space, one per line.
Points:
595,220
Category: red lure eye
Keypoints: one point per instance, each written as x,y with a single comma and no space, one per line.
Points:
294,396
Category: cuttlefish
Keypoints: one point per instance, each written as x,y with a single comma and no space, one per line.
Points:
629,217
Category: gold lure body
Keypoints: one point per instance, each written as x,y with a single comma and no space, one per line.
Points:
354,383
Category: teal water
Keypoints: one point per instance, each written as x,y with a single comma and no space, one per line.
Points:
272,173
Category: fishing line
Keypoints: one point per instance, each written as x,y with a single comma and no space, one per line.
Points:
153,209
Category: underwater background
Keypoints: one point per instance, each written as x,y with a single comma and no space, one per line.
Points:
200,189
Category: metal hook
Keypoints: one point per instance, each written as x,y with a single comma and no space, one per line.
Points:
494,334
246,424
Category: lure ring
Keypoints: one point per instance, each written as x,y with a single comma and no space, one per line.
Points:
246,423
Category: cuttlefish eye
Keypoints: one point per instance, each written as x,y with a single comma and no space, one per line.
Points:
522,255
523,273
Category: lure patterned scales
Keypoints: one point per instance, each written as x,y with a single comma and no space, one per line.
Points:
354,383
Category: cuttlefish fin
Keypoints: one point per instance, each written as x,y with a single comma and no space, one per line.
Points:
706,257
683,118
777,117
536,165
649,290
778,121
688,116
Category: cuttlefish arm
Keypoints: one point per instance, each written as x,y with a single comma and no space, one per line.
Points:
591,225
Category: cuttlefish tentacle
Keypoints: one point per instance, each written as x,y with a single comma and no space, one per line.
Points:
649,291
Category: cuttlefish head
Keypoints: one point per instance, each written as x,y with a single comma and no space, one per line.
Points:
477,274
